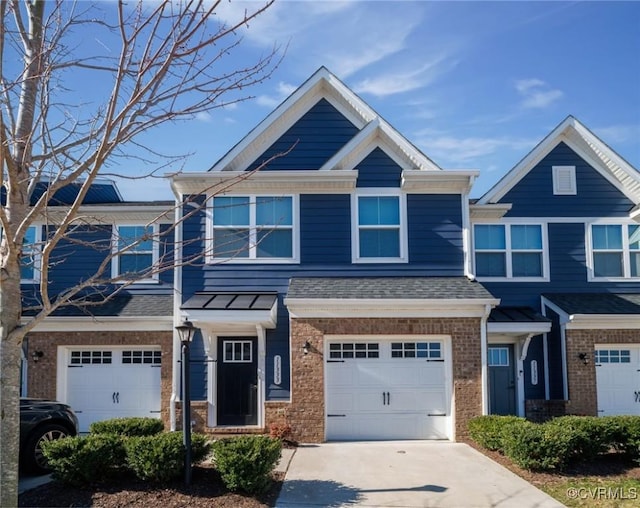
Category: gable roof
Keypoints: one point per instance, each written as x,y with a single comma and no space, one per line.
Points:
588,146
323,84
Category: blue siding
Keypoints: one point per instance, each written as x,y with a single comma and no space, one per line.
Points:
325,231
378,170
535,352
435,232
198,368
533,195
313,140
554,351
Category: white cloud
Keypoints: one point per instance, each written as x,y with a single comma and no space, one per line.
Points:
204,116
283,90
536,94
451,149
618,133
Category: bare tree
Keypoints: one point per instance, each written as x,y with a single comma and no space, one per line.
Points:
162,61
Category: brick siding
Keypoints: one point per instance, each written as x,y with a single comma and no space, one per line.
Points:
306,411
42,375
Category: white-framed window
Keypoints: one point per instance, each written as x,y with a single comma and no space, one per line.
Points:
498,356
362,350
379,227
428,350
238,351
613,356
614,251
510,251
136,251
254,228
30,264
564,180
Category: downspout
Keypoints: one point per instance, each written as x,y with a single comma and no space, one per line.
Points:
177,291
466,232
483,354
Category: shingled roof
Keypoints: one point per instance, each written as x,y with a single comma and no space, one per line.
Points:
596,303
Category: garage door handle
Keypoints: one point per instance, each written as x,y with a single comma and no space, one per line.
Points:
437,414
388,399
335,416
113,397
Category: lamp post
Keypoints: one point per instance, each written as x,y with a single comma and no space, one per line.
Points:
185,332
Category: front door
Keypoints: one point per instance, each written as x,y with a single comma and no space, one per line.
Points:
502,382
237,394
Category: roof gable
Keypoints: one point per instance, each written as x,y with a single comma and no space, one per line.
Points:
322,85
585,144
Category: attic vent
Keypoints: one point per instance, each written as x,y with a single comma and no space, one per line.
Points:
564,180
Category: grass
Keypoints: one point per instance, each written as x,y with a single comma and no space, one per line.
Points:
595,491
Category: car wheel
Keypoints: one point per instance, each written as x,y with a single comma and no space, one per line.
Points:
35,461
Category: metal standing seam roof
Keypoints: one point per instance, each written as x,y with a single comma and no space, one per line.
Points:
386,288
206,300
516,315
596,303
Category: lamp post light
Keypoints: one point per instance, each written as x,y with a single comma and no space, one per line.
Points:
185,332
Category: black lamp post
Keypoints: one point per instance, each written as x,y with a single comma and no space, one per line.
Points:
186,331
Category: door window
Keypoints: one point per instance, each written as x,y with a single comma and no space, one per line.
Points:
238,351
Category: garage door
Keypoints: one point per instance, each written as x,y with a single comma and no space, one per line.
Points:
618,380
387,389
111,382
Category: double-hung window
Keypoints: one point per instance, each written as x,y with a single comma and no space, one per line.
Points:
509,251
29,269
615,250
254,227
136,251
379,235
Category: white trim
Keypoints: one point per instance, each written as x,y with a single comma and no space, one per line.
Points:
530,327
563,364
115,248
603,322
564,180
489,212
593,150
177,316
111,214
388,307
109,323
211,258
466,237
484,368
626,251
262,374
402,227
438,182
36,252
509,251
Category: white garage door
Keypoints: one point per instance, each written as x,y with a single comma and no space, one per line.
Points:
618,380
387,389
111,382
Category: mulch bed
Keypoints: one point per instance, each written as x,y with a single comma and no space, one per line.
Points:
206,490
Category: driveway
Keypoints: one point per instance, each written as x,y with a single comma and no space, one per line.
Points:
403,474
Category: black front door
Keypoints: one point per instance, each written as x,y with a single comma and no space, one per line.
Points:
237,396
502,382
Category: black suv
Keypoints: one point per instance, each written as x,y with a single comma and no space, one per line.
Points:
40,421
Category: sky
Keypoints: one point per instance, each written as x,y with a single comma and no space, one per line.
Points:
474,85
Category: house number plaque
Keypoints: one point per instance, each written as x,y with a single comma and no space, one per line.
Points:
277,369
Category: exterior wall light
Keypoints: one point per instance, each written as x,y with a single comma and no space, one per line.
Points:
584,357
305,347
36,355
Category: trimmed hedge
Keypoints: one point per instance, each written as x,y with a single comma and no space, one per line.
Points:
556,443
161,457
246,462
81,460
131,426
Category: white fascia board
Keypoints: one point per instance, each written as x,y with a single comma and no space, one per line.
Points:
603,322
112,214
634,214
438,182
489,211
212,318
527,328
564,317
104,324
387,308
311,181
322,84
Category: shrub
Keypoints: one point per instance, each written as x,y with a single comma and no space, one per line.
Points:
624,432
280,431
537,446
245,462
128,426
161,457
487,430
83,460
590,435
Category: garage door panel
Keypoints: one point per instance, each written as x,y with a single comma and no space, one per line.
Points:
424,401
618,379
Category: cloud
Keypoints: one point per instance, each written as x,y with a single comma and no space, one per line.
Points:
618,133
203,116
536,94
283,90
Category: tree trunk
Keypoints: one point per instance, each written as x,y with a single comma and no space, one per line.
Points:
10,310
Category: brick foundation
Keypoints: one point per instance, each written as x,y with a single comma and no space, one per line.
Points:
581,377
540,410
306,411
42,375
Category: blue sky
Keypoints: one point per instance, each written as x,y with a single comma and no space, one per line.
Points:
474,85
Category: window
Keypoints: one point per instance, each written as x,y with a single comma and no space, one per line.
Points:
498,356
564,180
509,250
379,235
137,251
340,351
142,357
428,350
238,351
616,250
613,356
29,266
90,357
253,227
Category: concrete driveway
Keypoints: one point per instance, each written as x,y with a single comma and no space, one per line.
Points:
403,474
